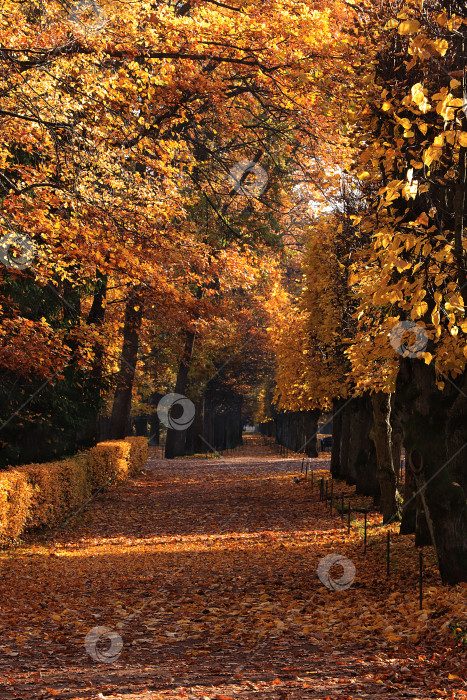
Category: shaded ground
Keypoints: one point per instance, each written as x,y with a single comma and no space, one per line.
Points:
206,570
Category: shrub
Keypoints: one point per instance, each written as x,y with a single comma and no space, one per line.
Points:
77,488
58,489
38,495
138,453
109,462
15,502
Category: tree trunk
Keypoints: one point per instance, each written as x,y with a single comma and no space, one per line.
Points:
429,430
345,444
355,439
381,436
413,519
362,454
96,317
336,438
175,443
120,418
310,431
396,439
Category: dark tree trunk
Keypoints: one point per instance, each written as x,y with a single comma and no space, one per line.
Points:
409,504
154,429
96,317
153,419
336,438
433,430
381,436
345,445
413,519
362,455
396,439
358,431
120,418
310,431
175,443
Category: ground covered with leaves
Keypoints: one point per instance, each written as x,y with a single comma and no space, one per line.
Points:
204,571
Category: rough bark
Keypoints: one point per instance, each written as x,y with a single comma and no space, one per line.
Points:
429,431
396,439
175,442
381,436
356,436
362,455
336,438
96,317
120,418
345,444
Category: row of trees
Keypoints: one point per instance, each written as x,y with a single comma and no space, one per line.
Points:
161,166
148,154
378,334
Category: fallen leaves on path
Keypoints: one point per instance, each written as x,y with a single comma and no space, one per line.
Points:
206,570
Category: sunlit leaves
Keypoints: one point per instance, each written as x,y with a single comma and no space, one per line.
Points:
408,27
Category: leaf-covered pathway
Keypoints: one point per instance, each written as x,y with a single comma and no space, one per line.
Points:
206,570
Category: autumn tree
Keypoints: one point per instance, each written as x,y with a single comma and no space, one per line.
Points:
109,127
413,278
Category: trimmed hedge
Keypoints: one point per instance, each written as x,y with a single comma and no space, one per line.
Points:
38,495
58,489
15,503
109,462
138,453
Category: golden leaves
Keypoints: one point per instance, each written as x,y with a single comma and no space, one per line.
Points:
419,309
440,46
408,27
432,153
447,105
422,220
404,122
411,250
419,98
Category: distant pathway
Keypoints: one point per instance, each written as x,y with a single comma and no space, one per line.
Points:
206,571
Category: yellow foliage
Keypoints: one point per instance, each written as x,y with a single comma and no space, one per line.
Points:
43,495
15,501
409,27
138,453
109,462
58,488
